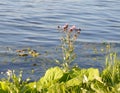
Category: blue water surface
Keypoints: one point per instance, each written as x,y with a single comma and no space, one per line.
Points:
33,23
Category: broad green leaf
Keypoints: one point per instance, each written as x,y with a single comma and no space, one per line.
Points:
76,76
74,82
52,76
77,72
92,73
57,88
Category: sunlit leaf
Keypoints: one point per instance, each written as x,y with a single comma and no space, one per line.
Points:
3,87
52,76
92,73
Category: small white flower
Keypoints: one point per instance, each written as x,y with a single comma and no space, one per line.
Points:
9,73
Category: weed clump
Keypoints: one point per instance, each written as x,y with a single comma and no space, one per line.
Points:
70,35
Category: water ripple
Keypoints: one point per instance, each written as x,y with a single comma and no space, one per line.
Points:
34,23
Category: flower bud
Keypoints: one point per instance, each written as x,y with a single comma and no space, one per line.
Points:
65,26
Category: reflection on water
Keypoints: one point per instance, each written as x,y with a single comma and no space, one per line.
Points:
33,23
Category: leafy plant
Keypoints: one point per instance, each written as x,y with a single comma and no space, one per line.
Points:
13,83
111,73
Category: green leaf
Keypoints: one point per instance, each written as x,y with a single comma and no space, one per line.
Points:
92,73
74,82
3,87
57,88
80,76
76,77
51,77
53,74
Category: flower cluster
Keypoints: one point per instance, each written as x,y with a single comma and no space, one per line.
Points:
70,30
70,33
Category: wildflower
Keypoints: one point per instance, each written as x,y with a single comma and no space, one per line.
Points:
9,73
78,31
65,26
72,28
68,44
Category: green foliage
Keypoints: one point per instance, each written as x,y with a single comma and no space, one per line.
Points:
3,87
111,74
75,80
51,77
13,84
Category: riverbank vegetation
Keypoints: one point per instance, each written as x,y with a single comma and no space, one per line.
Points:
64,78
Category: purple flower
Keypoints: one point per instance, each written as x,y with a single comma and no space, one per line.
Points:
72,28
65,26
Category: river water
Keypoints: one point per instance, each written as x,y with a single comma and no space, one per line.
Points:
33,23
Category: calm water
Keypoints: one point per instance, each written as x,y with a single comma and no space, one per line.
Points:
33,23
